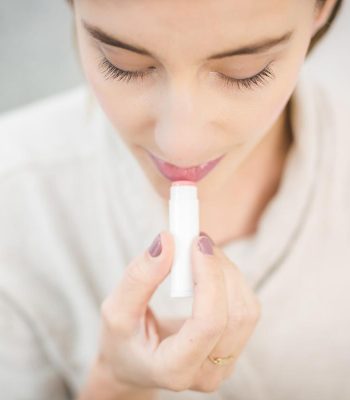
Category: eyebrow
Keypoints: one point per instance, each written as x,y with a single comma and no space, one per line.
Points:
255,48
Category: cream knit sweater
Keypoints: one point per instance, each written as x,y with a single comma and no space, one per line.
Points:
75,208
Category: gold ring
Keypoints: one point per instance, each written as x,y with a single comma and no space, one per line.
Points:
220,360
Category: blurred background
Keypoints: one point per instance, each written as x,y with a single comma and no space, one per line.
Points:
38,57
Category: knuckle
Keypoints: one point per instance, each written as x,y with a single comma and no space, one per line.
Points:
209,385
110,317
178,386
174,377
243,313
176,382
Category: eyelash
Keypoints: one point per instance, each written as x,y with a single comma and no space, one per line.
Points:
112,72
257,80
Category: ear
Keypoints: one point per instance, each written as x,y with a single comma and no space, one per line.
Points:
323,13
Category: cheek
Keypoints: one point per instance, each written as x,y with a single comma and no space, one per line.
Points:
260,109
259,115
119,100
251,119
126,115
129,115
266,113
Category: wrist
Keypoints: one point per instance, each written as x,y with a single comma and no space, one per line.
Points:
102,385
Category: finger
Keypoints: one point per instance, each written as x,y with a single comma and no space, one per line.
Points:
242,316
251,299
199,333
128,302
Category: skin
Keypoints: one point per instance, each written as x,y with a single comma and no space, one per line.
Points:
183,112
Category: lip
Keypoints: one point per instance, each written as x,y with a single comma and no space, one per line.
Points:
193,173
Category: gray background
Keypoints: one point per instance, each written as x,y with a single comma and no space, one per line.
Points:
37,55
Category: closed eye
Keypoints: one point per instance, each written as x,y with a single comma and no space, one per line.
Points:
110,71
258,79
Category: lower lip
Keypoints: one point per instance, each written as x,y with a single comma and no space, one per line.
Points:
193,174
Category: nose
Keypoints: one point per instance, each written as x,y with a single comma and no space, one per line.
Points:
180,127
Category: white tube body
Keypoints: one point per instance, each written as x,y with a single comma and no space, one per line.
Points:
184,226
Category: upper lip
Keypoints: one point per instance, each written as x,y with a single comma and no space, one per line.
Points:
194,173
184,168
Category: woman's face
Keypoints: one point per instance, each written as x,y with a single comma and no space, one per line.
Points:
181,103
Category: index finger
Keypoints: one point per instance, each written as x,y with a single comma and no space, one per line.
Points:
199,333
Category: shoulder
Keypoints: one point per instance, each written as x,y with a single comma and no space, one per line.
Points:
49,169
331,98
45,130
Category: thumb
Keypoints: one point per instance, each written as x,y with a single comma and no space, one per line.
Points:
128,302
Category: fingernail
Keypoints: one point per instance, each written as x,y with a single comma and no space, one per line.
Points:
205,245
156,247
201,233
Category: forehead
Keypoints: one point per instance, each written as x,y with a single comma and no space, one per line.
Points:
192,27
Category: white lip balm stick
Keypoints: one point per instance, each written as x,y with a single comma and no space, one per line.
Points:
184,226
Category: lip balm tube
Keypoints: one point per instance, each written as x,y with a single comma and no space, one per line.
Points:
184,226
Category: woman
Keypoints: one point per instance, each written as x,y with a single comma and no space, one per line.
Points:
85,310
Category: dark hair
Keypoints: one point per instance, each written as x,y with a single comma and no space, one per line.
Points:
318,36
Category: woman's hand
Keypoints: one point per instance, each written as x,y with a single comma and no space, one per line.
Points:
140,351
